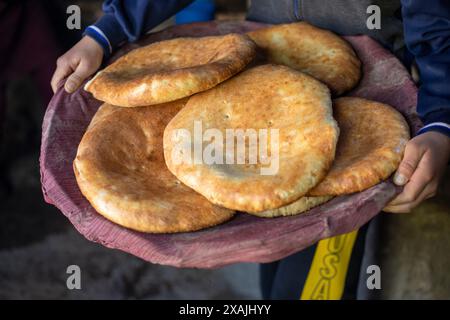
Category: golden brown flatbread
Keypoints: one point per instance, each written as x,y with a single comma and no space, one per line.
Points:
299,206
273,99
172,69
317,52
371,144
120,169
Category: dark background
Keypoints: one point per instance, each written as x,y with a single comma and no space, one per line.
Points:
37,242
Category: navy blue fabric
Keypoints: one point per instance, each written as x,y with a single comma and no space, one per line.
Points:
103,41
284,279
199,10
427,36
128,20
435,128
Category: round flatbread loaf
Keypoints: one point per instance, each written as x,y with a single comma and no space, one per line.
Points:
172,69
287,118
120,169
371,144
301,205
317,52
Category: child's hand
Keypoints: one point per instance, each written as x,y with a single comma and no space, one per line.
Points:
78,63
423,165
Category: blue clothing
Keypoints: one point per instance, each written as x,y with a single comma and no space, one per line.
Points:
128,20
426,30
427,36
199,10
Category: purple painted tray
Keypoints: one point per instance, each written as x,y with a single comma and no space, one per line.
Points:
245,238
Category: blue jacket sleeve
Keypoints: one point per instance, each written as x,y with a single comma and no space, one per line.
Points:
427,36
127,20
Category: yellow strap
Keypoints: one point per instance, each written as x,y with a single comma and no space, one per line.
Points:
326,277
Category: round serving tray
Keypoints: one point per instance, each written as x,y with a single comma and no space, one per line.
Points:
245,238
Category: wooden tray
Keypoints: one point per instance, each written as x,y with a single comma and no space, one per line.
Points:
245,238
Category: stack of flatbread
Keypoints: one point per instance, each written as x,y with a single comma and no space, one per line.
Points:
194,130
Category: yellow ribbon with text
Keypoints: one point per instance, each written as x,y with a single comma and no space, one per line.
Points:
326,277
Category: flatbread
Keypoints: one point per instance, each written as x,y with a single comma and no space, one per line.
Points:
120,169
370,148
300,206
317,52
264,98
172,69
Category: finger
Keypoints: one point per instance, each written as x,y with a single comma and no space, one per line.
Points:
427,193
422,177
82,71
410,192
62,71
409,163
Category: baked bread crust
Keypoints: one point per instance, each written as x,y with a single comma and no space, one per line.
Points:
297,207
120,169
172,69
317,52
370,147
264,97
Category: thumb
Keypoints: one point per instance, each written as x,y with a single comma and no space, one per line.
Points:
411,159
77,77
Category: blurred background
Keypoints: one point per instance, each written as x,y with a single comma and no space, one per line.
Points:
37,243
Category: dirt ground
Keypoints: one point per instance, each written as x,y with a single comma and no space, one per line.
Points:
38,271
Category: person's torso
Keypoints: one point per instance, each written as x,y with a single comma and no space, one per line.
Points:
345,17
